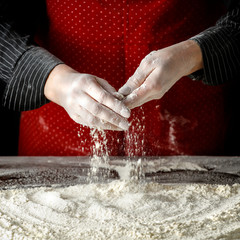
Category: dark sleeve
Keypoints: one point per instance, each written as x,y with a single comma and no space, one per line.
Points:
24,68
220,47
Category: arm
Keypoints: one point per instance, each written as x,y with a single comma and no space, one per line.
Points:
159,71
216,50
220,46
31,76
24,68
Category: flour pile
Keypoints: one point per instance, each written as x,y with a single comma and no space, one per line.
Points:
121,210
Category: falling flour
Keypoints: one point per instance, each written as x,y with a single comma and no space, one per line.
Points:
121,210
100,153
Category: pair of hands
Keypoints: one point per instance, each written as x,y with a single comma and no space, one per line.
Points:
91,101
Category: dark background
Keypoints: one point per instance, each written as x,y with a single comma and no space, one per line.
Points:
27,16
9,128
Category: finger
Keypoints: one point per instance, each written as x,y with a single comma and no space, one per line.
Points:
106,85
144,93
107,99
93,122
118,95
137,78
136,98
84,117
103,113
109,126
109,88
100,124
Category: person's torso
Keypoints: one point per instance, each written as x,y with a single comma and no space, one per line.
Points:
108,39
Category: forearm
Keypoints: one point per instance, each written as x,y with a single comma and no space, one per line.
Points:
190,55
220,46
24,69
57,77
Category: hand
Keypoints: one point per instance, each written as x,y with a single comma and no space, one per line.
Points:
88,100
159,71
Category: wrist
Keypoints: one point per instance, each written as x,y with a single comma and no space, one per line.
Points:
56,81
183,58
191,57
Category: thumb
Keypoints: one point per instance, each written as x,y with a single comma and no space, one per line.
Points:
128,87
136,80
105,85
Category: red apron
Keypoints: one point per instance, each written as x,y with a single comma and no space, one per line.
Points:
109,38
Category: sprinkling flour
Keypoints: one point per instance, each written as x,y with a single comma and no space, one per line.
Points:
100,153
121,210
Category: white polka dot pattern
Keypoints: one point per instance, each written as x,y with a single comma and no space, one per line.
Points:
108,38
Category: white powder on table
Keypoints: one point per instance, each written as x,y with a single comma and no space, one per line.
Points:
121,210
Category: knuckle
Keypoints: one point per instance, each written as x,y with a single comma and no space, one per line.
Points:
83,101
74,87
146,63
102,96
91,120
154,85
135,80
149,59
96,109
86,80
115,120
152,54
90,78
84,76
109,116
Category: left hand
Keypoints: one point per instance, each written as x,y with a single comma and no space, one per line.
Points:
159,71
88,100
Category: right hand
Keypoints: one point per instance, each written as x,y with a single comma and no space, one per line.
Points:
159,71
89,100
